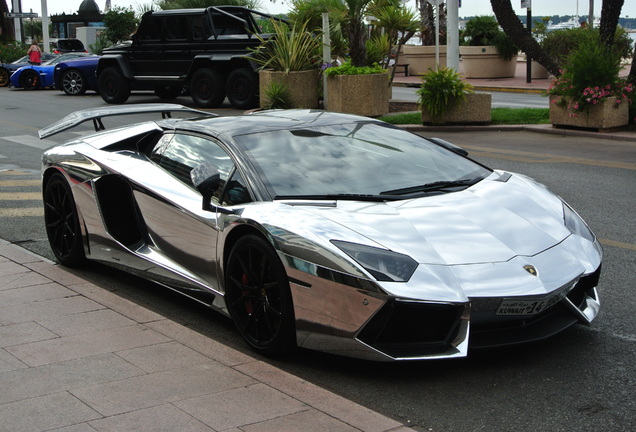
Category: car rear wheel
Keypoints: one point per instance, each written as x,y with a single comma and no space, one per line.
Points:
242,88
113,86
73,82
30,80
258,296
62,222
168,92
207,88
4,77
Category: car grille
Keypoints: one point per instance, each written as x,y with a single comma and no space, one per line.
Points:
409,329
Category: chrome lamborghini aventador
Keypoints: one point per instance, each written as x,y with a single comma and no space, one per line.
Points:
322,230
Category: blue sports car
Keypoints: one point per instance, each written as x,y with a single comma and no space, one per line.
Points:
6,69
76,76
36,77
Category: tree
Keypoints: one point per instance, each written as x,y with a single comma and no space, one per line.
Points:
7,29
610,12
120,24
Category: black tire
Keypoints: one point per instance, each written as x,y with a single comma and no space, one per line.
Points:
168,92
30,80
62,223
4,77
207,88
258,297
242,88
113,86
73,82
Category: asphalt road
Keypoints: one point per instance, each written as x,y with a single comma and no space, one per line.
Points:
581,380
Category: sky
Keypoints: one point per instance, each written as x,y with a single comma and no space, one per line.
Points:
468,7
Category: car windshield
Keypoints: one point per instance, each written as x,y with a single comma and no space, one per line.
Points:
356,159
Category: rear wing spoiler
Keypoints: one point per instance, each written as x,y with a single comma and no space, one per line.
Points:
96,114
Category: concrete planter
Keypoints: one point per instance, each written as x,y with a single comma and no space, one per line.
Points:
485,62
475,109
604,116
366,95
302,86
539,71
422,58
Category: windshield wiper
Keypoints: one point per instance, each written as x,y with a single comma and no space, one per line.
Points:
432,187
348,197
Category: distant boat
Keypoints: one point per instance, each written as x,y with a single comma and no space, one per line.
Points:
571,23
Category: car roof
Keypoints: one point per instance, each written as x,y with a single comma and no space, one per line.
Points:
267,121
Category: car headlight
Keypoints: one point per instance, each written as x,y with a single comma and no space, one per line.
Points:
384,265
575,224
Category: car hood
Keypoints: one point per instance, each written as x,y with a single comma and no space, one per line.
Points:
492,221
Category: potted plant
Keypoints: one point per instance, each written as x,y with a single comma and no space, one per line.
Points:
589,93
421,58
486,51
445,98
361,90
289,59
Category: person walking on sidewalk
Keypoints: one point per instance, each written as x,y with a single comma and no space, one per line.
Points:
35,53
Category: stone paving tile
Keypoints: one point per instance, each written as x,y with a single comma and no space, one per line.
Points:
306,421
9,362
39,381
46,309
164,418
160,388
44,413
319,398
81,427
22,333
19,280
86,344
200,343
8,268
87,322
18,254
116,303
10,297
56,273
161,357
241,406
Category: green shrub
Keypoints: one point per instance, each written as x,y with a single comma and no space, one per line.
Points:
276,96
560,43
484,30
442,89
11,52
349,69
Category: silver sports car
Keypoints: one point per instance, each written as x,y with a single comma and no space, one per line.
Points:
322,230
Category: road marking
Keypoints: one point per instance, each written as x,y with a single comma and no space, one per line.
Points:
530,157
22,212
14,183
622,245
20,196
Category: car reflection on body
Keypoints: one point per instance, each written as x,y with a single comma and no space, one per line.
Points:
325,231
34,77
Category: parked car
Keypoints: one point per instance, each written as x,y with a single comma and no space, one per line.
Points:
37,77
74,77
69,45
6,69
323,230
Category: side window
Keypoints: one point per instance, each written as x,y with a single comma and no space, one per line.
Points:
180,153
176,28
198,30
150,29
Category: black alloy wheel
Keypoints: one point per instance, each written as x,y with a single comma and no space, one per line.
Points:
258,297
242,88
113,86
30,80
73,82
207,88
62,223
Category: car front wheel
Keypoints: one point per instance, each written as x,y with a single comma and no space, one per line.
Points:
30,80
258,296
73,83
61,221
113,86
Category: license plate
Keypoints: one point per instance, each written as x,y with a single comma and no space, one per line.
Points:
512,306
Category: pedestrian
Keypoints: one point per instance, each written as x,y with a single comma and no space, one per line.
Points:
35,53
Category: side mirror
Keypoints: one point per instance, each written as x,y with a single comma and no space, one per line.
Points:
207,179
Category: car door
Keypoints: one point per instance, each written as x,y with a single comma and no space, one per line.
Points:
181,232
147,50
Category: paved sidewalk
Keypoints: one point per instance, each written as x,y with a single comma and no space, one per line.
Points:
77,358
